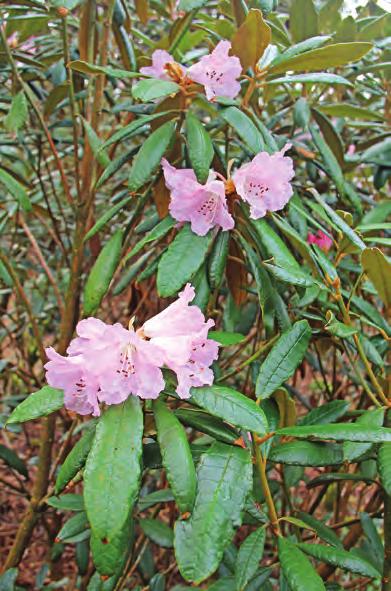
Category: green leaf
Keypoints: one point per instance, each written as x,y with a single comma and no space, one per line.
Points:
101,274
370,418
93,69
15,188
154,498
13,460
226,338
337,328
152,88
218,259
75,460
176,455
315,78
38,404
283,359
290,275
378,269
150,154
133,127
96,144
115,165
181,261
324,532
330,56
303,20
110,556
251,39
331,411
68,502
330,161
274,245
188,5
160,230
331,477
106,217
7,579
307,453
112,472
231,406
205,423
245,128
341,558
158,531
297,568
128,274
384,466
339,432
201,540
17,115
199,146
350,112
75,525
249,556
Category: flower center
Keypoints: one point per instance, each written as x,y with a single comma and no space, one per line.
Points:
213,75
256,190
208,207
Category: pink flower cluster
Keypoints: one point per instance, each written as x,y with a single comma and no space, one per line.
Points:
320,239
216,72
108,363
264,183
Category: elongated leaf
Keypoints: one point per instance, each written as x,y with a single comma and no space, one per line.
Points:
315,78
384,466
93,69
68,502
265,288
232,406
307,453
249,555
370,418
339,432
326,413
341,558
181,261
176,454
328,158
274,245
17,115
39,404
115,165
218,259
158,531
160,230
283,359
75,460
73,526
132,128
101,274
204,422
13,460
378,269
324,532
199,146
112,472
245,128
350,112
251,39
151,89
297,568
96,144
109,556
200,541
154,498
303,20
15,189
150,154
331,477
290,275
106,217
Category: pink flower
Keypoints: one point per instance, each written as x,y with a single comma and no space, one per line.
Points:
218,72
182,333
204,206
264,182
321,239
105,363
160,59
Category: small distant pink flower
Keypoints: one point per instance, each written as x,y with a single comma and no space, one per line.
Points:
218,72
204,206
182,333
351,150
160,58
265,182
321,239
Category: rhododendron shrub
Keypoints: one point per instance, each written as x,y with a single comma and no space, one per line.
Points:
195,295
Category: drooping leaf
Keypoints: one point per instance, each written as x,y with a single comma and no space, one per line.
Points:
339,432
199,146
283,359
201,540
38,404
307,453
249,556
315,78
251,39
159,532
341,558
297,569
75,460
17,115
112,472
12,460
303,20
152,88
93,69
384,465
245,128
205,423
16,189
378,269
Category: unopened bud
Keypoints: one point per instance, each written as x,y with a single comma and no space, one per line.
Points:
62,11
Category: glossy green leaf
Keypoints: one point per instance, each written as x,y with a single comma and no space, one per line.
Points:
181,261
205,423
307,453
384,466
315,78
38,404
218,259
112,472
159,231
226,339
231,406
101,274
75,460
201,540
68,502
339,432
150,154
13,460
327,413
176,454
303,20
138,125
106,217
153,88
16,189
249,556
297,569
17,115
290,275
199,146
341,558
265,288
158,532
274,245
110,556
245,128
325,532
75,525
96,144
370,418
378,269
350,112
330,161
93,69
283,359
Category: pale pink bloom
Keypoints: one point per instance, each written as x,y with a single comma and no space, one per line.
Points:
321,239
160,58
218,72
204,206
265,182
351,150
182,333
105,363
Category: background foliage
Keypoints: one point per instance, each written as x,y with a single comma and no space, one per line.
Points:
305,504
